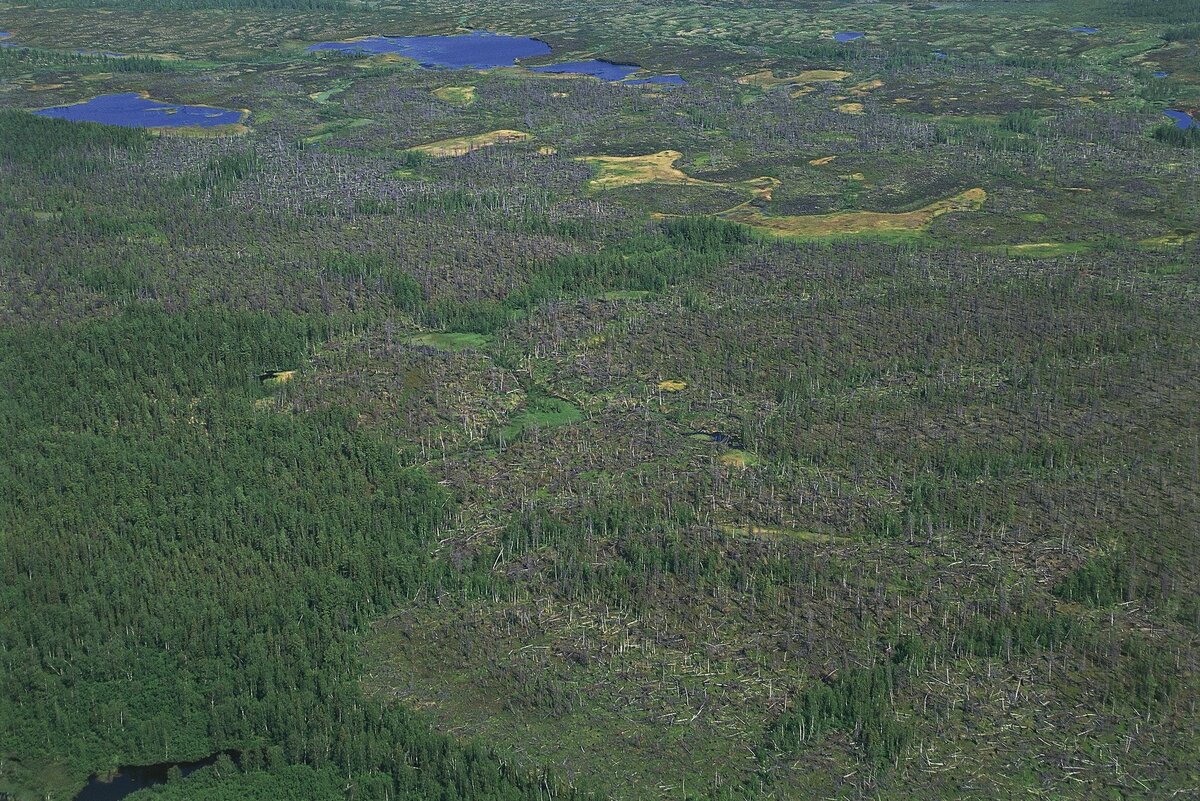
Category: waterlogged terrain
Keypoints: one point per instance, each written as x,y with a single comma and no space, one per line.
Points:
1182,119
132,778
596,68
482,50
133,110
479,50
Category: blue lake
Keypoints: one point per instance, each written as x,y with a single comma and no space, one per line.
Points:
657,80
1160,74
848,36
1182,119
597,68
134,111
1085,30
478,50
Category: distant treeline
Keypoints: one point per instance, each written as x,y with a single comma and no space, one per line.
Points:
1165,11
96,62
1171,134
200,5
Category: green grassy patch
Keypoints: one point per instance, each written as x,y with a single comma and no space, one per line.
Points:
450,340
542,412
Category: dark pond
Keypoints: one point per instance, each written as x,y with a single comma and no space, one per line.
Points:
478,50
719,437
1182,119
597,68
657,80
1084,29
848,36
132,110
939,55
1160,74
131,778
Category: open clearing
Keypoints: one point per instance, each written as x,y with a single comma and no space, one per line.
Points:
449,340
855,222
456,95
462,145
767,79
659,168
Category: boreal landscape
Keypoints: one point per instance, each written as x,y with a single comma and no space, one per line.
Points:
672,401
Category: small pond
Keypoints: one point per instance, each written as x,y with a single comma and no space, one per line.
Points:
132,110
131,778
848,36
939,55
1160,74
1085,30
596,68
718,437
478,50
1182,119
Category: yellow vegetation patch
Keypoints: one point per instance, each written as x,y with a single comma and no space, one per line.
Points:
456,95
546,150
762,187
739,459
821,162
855,222
855,176
616,171
671,385
766,79
659,168
775,531
867,86
1176,237
44,87
822,75
902,100
383,59
280,377
851,108
1045,249
802,91
1044,83
462,145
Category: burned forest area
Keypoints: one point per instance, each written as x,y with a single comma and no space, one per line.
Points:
632,401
